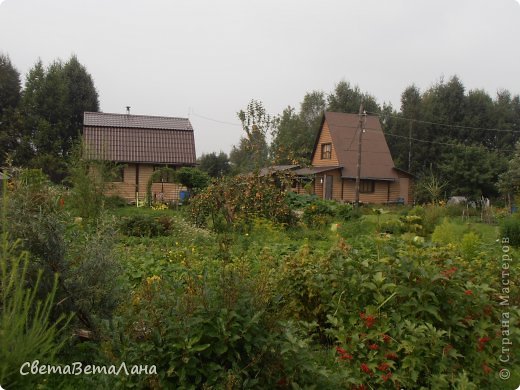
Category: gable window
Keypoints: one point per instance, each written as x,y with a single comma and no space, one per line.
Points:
367,186
165,177
326,151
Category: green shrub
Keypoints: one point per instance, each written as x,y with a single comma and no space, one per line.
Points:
448,233
28,329
299,201
233,203
143,226
318,213
115,201
347,212
510,228
79,251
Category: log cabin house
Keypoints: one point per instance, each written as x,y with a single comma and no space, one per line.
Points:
334,163
140,144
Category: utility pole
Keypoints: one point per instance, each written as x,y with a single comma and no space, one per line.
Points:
362,118
410,148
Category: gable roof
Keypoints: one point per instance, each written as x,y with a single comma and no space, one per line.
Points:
139,138
376,160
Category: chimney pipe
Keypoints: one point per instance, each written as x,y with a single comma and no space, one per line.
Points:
127,110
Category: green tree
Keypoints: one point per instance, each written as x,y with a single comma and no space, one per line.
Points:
10,119
291,142
10,86
509,180
215,165
193,179
252,152
346,98
296,132
53,103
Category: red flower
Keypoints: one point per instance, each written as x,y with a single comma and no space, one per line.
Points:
391,356
486,368
387,376
366,369
383,367
386,338
468,292
482,343
373,347
449,272
346,356
369,319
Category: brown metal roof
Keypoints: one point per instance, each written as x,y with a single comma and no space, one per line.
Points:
376,160
102,119
139,138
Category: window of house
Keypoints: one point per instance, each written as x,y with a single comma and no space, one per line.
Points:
165,177
326,151
367,186
118,174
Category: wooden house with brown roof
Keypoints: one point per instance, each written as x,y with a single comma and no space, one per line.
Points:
335,157
141,144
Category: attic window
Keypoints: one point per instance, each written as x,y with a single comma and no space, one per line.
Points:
326,151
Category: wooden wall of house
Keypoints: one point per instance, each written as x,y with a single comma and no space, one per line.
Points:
127,188
379,196
407,187
325,138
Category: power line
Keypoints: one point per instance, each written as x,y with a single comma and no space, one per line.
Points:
215,120
445,124
448,144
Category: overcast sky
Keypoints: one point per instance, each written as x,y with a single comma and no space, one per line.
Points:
207,58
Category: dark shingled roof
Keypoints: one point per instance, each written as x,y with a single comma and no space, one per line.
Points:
139,138
376,160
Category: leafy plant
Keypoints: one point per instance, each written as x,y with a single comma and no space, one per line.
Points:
28,331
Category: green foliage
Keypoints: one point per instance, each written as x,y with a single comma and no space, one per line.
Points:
234,202
193,179
448,233
298,201
510,228
89,181
79,250
158,175
318,214
28,330
346,98
143,226
252,152
215,165
509,181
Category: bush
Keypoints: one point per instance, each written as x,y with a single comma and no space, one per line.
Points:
448,233
318,213
144,226
28,331
510,227
81,251
233,203
347,212
115,202
299,201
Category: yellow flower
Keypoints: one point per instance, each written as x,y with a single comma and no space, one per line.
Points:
153,279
